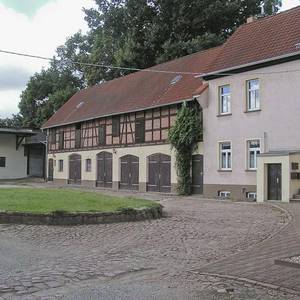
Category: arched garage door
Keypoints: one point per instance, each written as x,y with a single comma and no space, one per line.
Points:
159,173
75,169
197,174
129,172
104,169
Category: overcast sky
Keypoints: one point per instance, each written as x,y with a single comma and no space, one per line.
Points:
38,27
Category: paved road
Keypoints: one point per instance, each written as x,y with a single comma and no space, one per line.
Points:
143,260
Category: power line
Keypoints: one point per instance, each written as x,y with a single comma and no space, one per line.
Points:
101,65
150,70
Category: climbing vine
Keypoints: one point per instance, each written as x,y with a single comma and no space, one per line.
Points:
184,137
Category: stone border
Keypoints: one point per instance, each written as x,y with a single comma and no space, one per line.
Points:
65,218
287,263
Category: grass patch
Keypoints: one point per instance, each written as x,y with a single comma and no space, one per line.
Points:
63,200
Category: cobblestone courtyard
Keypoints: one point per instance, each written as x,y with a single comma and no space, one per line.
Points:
157,259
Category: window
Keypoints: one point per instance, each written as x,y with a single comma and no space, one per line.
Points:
225,95
2,162
102,135
253,101
53,136
78,136
60,165
225,156
61,140
140,130
251,195
224,194
88,165
253,151
116,126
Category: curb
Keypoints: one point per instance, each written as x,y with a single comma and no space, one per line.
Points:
65,218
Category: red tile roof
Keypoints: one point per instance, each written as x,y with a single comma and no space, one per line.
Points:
137,91
262,39
266,38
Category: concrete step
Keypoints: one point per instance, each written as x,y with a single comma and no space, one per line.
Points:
296,197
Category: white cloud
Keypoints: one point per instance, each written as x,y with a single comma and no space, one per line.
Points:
40,35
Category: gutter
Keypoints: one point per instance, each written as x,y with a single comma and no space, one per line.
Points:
252,65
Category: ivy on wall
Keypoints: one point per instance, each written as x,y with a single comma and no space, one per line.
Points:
184,137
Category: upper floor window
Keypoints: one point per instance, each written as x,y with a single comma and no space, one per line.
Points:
2,162
61,140
253,100
53,136
102,135
116,126
225,156
140,130
225,99
253,150
78,136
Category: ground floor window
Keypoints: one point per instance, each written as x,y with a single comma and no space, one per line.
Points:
253,149
251,195
225,156
88,165
2,162
60,165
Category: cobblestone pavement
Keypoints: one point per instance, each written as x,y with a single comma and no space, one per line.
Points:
258,263
143,260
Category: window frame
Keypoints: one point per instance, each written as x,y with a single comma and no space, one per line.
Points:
140,129
60,165
228,158
61,140
103,142
248,98
115,130
88,165
3,162
257,151
221,97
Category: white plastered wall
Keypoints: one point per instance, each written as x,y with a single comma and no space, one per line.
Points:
141,152
16,162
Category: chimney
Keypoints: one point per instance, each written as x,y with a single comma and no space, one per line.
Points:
251,19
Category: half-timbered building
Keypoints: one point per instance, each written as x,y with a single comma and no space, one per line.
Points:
115,134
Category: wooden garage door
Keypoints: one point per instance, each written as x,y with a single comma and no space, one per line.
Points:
75,169
104,169
197,174
129,172
159,173
50,169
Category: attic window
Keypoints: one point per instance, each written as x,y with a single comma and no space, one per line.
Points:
79,104
176,79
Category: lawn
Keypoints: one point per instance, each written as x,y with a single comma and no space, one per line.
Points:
51,200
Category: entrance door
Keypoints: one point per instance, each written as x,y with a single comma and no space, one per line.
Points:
159,173
50,169
129,172
75,169
197,174
104,169
274,182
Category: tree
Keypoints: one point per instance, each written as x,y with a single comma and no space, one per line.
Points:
143,33
45,93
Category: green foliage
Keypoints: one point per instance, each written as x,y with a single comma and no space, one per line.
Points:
184,137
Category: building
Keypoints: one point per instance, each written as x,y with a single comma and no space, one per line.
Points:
115,134
22,153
